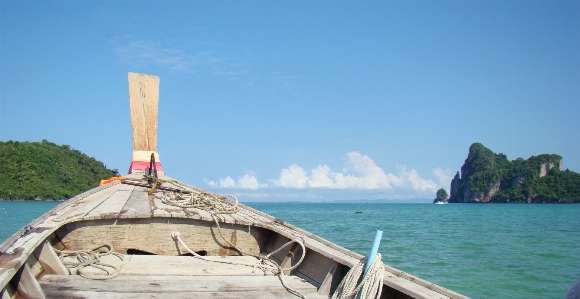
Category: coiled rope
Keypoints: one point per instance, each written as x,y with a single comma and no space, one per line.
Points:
92,258
188,197
369,288
272,267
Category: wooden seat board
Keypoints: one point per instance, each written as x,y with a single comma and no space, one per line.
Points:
174,284
55,292
189,266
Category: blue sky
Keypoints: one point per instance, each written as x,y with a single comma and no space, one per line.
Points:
298,100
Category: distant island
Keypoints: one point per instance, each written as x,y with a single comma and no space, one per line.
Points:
47,171
442,196
490,177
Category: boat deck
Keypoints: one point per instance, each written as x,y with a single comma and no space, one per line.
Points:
153,276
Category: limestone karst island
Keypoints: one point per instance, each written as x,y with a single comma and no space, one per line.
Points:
490,177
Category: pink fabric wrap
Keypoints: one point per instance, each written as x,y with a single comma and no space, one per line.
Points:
138,165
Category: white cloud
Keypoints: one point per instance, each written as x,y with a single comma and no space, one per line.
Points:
443,176
292,177
360,172
413,179
245,182
248,182
320,177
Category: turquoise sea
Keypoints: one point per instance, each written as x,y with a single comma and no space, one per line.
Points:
479,250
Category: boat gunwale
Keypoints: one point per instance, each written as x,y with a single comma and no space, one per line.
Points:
4,246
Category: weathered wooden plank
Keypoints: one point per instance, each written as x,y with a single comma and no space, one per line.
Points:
27,285
273,244
153,235
392,272
34,265
198,214
144,101
412,289
287,262
6,275
314,266
50,262
326,285
111,207
138,204
189,266
160,209
333,278
8,292
55,292
50,216
171,284
84,206
16,255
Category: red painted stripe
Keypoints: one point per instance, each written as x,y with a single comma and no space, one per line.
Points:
137,165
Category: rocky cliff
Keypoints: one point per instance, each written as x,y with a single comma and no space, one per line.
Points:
489,177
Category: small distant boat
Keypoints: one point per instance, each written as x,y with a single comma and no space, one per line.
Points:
143,236
441,203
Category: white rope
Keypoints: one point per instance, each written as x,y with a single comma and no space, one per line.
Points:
191,197
371,285
263,267
92,258
274,268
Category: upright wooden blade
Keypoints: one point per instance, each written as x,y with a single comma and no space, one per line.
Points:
144,102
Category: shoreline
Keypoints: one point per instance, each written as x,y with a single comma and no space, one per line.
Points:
35,200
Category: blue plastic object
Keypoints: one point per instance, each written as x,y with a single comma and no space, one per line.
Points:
374,250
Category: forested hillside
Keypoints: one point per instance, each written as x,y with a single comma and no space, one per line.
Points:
44,170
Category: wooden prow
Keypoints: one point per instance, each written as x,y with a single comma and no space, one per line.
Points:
144,101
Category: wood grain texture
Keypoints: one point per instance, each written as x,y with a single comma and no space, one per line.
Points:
333,278
138,205
153,235
85,205
34,265
27,285
8,292
189,266
315,267
144,100
112,206
54,292
50,262
167,285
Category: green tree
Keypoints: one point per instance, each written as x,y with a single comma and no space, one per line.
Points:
44,170
441,195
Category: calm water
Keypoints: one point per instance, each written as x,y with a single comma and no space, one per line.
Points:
482,251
